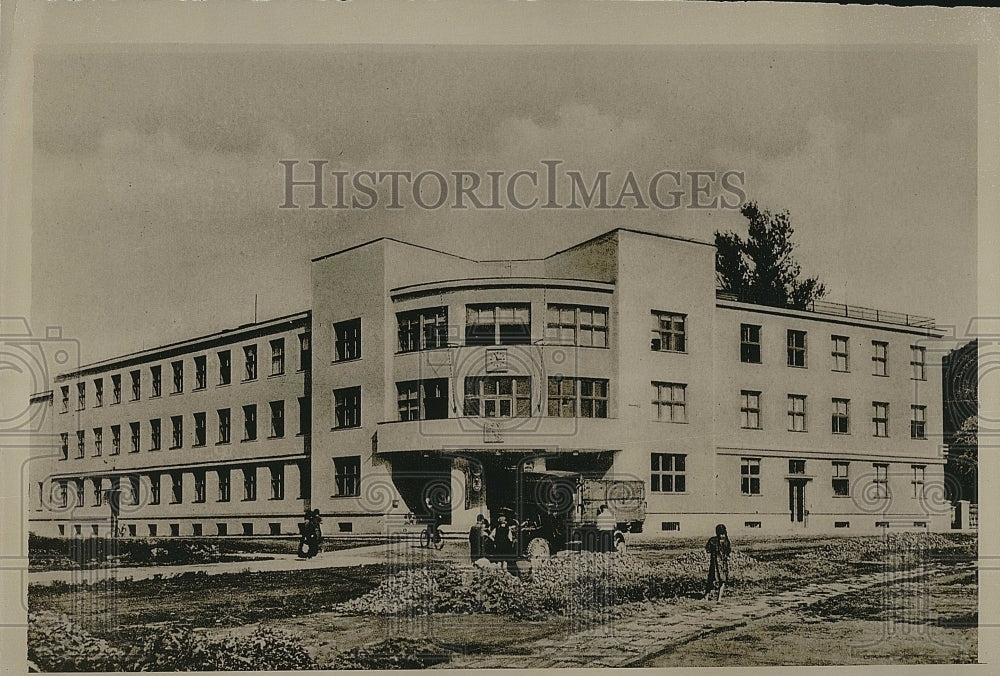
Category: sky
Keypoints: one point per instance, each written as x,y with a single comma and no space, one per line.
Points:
156,179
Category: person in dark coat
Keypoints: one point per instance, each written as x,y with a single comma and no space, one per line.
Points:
502,537
719,548
478,535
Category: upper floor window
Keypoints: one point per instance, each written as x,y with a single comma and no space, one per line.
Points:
135,435
116,439
200,372
305,351
347,407
116,389
65,398
178,368
250,422
199,429
136,377
918,423
796,348
498,324
176,431
81,396
98,440
667,473
498,396
840,419
99,392
750,343
797,412
881,358
277,419
156,373
669,332
250,362
424,329
422,399
577,325
225,367
64,445
840,353
347,340
577,397
278,357
750,409
880,418
154,434
81,443
841,479
225,425
917,362
670,402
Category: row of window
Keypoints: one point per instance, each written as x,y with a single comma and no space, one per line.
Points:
840,415
128,489
668,474
197,529
840,352
223,365
276,410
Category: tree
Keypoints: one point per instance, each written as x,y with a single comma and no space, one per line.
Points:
760,269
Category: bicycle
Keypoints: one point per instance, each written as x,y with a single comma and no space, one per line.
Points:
431,536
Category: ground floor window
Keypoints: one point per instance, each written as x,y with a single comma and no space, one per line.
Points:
347,476
841,480
667,473
750,476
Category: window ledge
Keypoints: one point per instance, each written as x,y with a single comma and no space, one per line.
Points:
793,366
270,438
352,427
248,441
225,384
276,375
880,375
223,443
345,361
668,493
345,496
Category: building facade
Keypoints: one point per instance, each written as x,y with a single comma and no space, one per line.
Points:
434,381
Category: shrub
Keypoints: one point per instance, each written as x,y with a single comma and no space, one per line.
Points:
55,643
179,649
393,653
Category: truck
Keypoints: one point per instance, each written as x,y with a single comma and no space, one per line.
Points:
558,511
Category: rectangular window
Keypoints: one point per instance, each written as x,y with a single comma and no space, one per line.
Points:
917,362
249,362
305,415
99,392
667,473
199,485
881,358
797,348
347,340
156,373
881,480
98,485
176,488
176,431
81,396
670,402
133,490
498,324
225,367
225,429
750,409
136,378
277,419
65,398
840,418
918,423
669,332
116,389
577,397
880,418
178,370
750,343
347,476
278,357
425,329
135,436
81,443
81,491
577,325
98,440
64,445
200,372
498,396
116,439
796,412
277,482
154,434
249,484
841,479
750,476
919,474
225,483
250,422
841,356
200,435
422,400
305,351
154,489
347,407
796,466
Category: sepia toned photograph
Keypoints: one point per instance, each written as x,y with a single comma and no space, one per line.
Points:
481,355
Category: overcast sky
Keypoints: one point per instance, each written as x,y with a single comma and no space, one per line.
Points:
156,176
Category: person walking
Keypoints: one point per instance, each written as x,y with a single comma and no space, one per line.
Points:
719,548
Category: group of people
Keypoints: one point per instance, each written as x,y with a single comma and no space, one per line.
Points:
496,542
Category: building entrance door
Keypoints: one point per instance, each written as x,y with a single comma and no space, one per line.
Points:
797,501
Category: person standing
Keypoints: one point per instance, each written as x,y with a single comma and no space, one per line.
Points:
606,525
719,548
503,542
477,538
